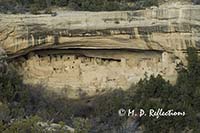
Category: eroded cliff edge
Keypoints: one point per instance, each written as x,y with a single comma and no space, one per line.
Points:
90,52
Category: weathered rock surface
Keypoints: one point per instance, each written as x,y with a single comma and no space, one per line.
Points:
164,28
92,51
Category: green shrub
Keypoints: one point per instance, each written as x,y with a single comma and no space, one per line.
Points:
28,125
140,4
196,2
59,2
97,5
34,9
106,110
48,11
11,88
81,125
2,127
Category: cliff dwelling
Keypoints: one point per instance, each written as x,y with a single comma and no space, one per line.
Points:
92,71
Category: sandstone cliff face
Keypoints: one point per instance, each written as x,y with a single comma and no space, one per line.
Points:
92,51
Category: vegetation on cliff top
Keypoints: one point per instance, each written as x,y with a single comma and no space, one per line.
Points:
22,6
80,5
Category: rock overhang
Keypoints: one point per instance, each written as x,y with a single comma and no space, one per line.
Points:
123,29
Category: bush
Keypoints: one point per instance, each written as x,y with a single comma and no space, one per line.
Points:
97,5
106,110
11,88
81,125
34,9
196,2
48,11
25,126
2,127
140,4
4,113
59,2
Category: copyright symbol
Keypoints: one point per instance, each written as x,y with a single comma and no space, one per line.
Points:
122,112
